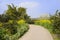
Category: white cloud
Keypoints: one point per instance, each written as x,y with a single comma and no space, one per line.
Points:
29,4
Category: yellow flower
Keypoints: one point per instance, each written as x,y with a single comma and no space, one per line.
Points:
45,21
20,21
1,24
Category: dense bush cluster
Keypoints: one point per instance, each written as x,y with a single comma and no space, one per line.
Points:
12,31
52,24
13,23
45,23
56,22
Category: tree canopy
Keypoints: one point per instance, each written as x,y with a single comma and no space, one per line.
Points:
14,13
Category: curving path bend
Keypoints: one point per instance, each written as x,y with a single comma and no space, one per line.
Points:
37,33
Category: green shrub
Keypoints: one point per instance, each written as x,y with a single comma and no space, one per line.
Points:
12,33
11,25
56,22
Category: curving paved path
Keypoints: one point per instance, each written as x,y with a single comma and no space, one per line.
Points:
37,33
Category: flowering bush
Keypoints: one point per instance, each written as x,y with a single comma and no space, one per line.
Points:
43,22
21,21
46,23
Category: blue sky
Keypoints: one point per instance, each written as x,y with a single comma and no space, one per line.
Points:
35,8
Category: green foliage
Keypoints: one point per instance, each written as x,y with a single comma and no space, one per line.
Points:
14,13
13,23
56,25
14,32
56,22
45,23
11,27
